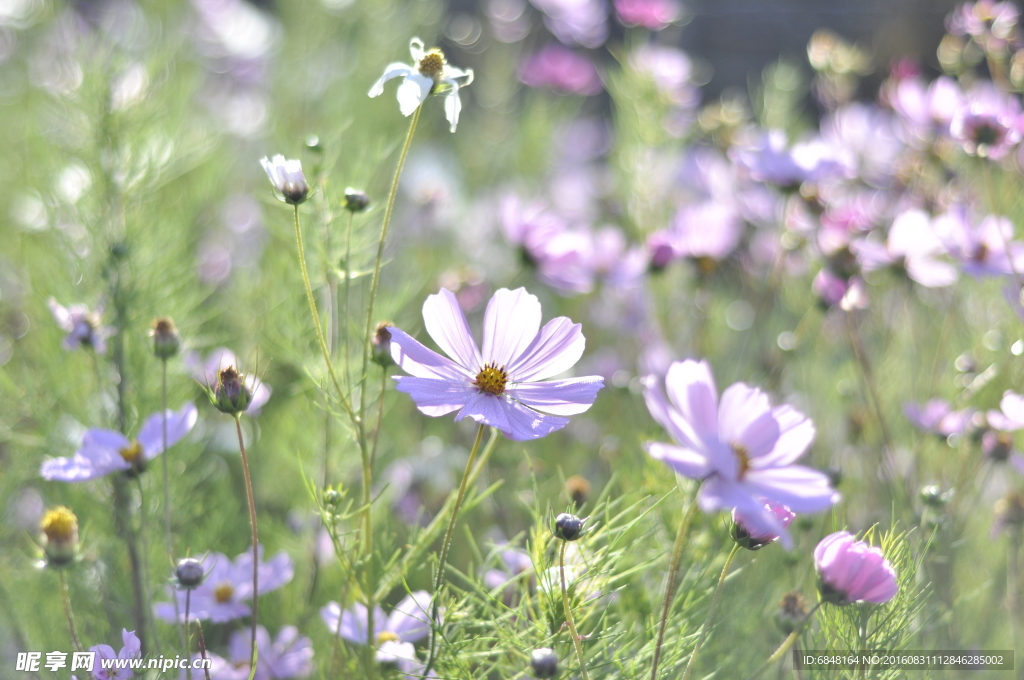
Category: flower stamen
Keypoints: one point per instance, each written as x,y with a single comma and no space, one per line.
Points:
387,636
491,379
432,64
131,453
223,593
744,459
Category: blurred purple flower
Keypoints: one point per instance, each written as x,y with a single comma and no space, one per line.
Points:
227,587
740,447
106,451
289,656
652,14
997,443
926,112
671,71
758,538
913,245
867,138
984,249
205,372
938,417
987,123
853,571
82,327
991,24
848,294
576,22
513,563
132,649
506,384
562,70
707,230
768,160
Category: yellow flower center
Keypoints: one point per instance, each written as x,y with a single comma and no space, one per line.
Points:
131,453
223,592
744,458
432,63
59,524
386,636
491,379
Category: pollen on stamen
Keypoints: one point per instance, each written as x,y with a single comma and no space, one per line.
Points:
131,453
223,592
744,458
432,63
387,636
491,379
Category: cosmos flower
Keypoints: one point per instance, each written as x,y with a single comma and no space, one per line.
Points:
739,446
288,656
937,416
106,451
82,327
913,245
652,14
983,249
506,384
429,73
754,539
997,442
562,70
205,371
132,649
287,178
853,571
228,585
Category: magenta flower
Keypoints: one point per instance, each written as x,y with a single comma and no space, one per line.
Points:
506,384
562,70
652,14
740,447
853,571
132,649
106,451
82,327
744,533
227,587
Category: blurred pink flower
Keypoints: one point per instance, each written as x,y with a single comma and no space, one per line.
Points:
853,571
562,70
652,14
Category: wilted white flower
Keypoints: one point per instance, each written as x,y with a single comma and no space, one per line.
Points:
428,73
287,177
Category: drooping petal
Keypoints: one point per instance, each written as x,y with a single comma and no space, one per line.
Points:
413,91
740,408
511,323
556,349
446,324
434,396
560,397
452,105
686,462
409,620
392,71
666,415
515,421
691,388
416,359
801,489
178,425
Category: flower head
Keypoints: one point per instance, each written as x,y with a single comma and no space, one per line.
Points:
132,649
60,536
207,372
741,447
166,338
106,451
228,585
429,73
853,571
287,177
504,384
82,327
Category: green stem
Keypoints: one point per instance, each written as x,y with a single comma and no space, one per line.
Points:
568,614
65,599
182,629
670,587
692,663
188,632
787,644
348,286
255,540
202,647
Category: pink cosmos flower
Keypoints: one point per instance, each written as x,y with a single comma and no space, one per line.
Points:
741,447
997,442
652,14
853,571
562,70
937,416
983,249
505,384
913,245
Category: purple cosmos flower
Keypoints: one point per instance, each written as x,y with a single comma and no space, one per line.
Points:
938,417
222,596
132,649
288,656
984,249
205,372
986,123
506,384
853,571
768,160
576,22
709,230
835,290
755,539
670,69
394,635
740,447
652,14
913,245
106,451
924,111
82,327
562,70
997,442
991,24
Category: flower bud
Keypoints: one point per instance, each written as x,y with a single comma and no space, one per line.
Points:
1009,512
932,496
755,539
791,612
189,573
287,178
60,536
231,395
356,200
380,345
579,489
166,339
544,663
852,571
568,527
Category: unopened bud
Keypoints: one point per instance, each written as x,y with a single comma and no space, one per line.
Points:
166,339
579,489
60,536
356,200
332,497
544,663
933,496
568,527
231,395
791,612
381,345
189,573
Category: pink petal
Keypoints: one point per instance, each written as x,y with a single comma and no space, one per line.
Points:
554,350
686,462
446,324
691,388
796,432
415,359
799,488
436,397
511,323
560,397
741,405
517,422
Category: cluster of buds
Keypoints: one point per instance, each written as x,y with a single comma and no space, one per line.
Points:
60,537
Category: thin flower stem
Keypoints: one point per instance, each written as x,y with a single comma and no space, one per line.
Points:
188,631
442,558
144,560
787,643
123,523
255,539
182,630
670,586
65,599
202,648
692,663
380,413
348,286
568,614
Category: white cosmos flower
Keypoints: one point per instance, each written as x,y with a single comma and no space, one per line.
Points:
428,73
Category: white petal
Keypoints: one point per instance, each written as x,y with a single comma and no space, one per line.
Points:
446,324
416,49
392,71
413,91
511,322
452,105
